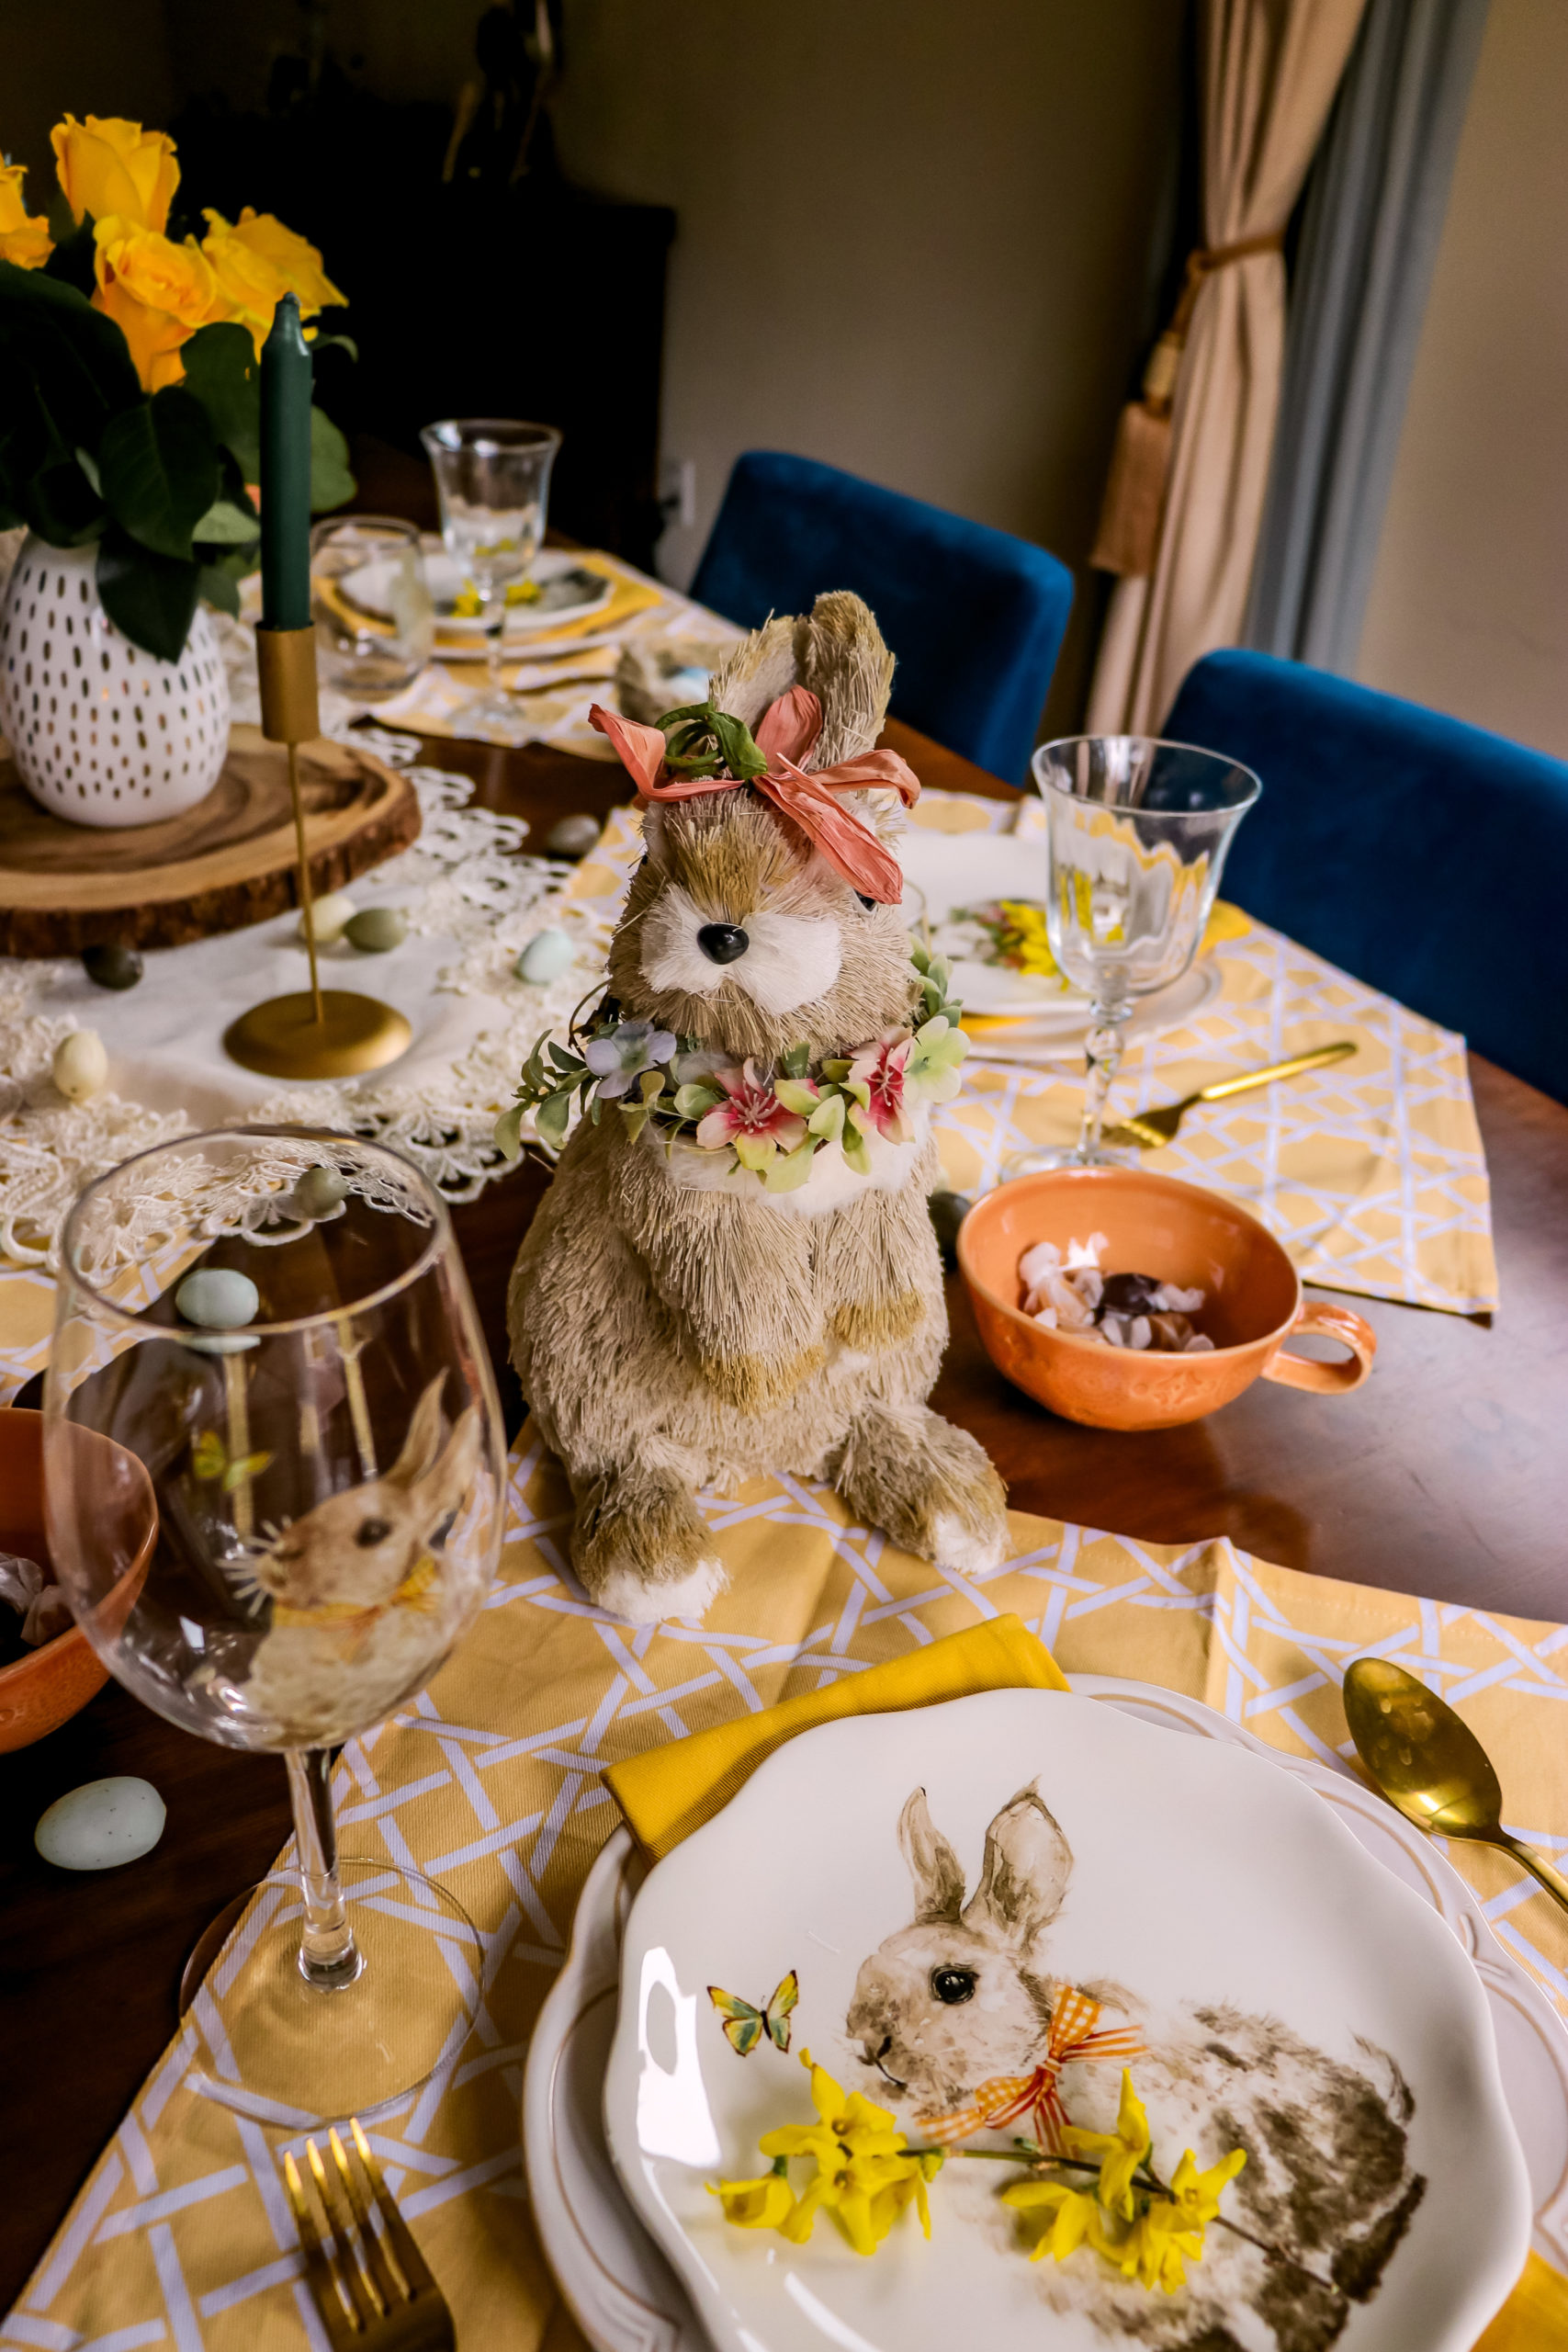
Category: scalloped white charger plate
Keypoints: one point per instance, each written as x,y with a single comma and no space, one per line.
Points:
623,2291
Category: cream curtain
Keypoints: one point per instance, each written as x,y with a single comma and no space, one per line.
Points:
1269,69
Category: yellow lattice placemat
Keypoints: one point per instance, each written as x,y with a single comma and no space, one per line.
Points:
491,1783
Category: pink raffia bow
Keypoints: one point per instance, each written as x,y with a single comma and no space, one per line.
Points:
788,730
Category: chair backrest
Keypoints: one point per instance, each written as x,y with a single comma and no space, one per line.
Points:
973,615
1426,856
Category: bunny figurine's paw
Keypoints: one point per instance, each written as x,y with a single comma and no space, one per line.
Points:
931,1486
641,1548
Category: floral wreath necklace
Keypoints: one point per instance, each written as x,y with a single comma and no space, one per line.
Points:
772,1121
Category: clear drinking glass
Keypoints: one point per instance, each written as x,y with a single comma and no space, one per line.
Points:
492,478
1137,831
374,622
274,1480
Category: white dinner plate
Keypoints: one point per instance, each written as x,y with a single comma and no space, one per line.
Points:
569,591
1288,1992
624,2294
954,871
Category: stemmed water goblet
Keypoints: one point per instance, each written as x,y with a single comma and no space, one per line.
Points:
273,1491
1137,831
493,479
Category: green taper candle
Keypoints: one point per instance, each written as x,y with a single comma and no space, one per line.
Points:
286,471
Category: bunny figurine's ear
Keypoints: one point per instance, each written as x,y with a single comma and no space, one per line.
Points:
423,1441
933,1865
1025,1874
446,1487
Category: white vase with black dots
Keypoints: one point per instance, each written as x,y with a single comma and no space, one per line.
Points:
101,732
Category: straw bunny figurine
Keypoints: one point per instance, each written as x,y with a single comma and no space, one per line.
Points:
734,1271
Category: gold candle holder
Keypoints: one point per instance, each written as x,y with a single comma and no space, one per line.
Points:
314,1032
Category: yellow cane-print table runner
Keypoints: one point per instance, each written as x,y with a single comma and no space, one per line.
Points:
1371,1173
491,1783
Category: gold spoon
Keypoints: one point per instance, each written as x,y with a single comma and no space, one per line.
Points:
1429,1765
1151,1129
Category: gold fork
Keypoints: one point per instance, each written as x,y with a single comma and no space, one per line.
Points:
374,2291
1150,1129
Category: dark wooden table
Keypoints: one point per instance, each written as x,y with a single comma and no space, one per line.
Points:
1442,1476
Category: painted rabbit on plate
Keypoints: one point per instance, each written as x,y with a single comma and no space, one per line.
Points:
676,1324
952,2011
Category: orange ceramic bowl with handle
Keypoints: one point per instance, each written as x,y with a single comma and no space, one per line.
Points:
43,1688
1179,1233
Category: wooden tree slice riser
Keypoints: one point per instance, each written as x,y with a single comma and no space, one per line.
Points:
226,863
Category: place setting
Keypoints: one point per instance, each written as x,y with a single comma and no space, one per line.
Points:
658,1306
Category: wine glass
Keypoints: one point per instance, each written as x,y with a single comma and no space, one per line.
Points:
492,479
1137,832
274,1488
374,622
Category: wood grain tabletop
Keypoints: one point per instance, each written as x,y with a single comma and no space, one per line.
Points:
1443,1476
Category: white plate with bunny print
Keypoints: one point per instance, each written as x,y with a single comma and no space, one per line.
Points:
970,1899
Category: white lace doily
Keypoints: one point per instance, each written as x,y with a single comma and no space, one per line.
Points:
472,900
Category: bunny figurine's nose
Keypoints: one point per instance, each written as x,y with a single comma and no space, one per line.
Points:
721,943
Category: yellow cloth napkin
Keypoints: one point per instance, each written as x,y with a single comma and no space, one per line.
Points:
666,1792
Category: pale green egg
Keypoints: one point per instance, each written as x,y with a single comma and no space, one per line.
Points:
101,1825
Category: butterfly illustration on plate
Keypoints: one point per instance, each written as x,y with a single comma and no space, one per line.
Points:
744,2026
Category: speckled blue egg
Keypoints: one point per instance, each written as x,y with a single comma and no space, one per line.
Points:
547,954
101,1825
218,1298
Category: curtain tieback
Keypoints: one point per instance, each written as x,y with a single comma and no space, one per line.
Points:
1135,489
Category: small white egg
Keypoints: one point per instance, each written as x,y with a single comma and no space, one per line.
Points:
331,915
101,1825
81,1066
547,954
574,836
218,1297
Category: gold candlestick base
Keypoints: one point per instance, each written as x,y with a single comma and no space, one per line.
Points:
283,1038
316,1033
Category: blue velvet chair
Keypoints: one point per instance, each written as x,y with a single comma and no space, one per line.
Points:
1426,856
973,615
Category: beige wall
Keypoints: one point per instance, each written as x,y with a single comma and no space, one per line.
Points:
1469,605
913,238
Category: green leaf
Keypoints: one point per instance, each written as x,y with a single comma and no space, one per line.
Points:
695,1102
791,1169
332,484
216,587
208,1455
508,1132
224,525
797,1061
159,470
335,343
89,466
222,373
650,1085
72,260
552,1114
637,1116
150,598
569,1065
798,1096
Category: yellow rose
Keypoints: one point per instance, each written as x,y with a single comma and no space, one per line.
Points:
112,167
297,263
23,241
157,293
248,284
